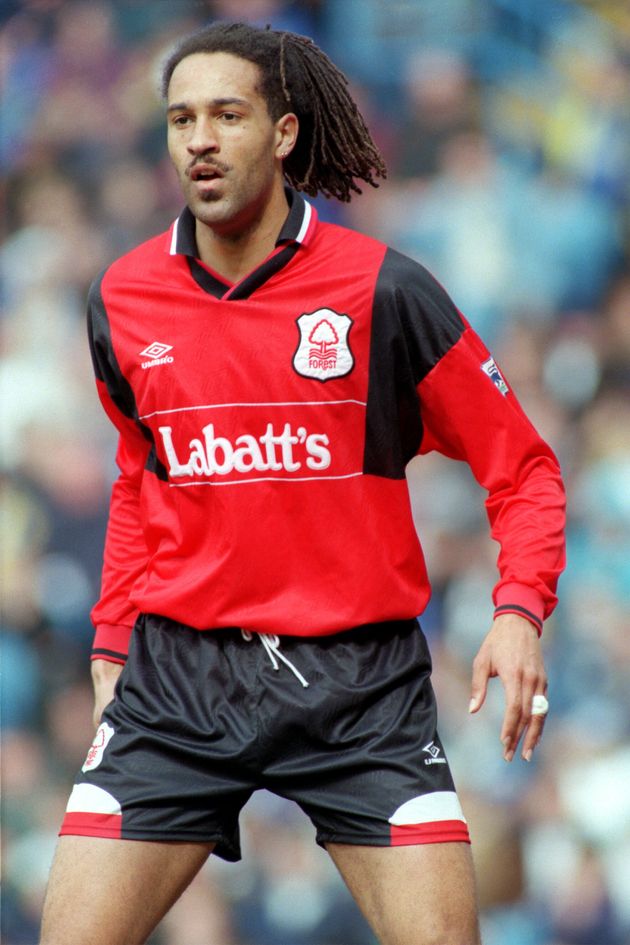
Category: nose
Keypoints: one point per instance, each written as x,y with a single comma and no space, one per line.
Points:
203,138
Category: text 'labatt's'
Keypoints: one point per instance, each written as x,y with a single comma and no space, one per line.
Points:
212,455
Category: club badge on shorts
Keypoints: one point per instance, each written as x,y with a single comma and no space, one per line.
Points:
323,351
95,754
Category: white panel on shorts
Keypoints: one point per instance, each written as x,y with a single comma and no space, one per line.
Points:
92,799
428,808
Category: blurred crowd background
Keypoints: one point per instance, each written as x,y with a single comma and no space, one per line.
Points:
506,129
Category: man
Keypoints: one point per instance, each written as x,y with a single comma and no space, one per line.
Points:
271,377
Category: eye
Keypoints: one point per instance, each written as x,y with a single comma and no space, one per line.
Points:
229,117
181,120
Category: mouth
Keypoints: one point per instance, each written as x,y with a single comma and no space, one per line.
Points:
205,172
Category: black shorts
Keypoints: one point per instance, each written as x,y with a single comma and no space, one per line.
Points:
203,719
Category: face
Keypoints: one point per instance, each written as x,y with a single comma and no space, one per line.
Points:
225,147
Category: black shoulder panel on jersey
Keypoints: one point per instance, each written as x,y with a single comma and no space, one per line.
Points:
107,370
414,324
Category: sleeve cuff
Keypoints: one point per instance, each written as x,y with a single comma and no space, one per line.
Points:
522,600
111,643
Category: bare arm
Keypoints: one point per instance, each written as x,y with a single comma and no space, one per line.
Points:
104,677
512,651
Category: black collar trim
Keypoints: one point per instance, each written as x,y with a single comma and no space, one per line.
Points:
297,223
257,278
207,280
295,232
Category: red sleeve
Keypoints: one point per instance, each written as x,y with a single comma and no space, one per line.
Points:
125,555
470,414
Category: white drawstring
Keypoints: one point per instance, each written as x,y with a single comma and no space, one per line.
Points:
271,643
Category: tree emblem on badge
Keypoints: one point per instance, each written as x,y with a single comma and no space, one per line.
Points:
323,351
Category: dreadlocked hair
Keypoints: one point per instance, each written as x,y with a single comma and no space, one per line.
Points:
334,148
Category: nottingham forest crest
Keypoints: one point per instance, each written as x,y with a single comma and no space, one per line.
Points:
323,351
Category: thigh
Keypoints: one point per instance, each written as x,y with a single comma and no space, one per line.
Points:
114,892
413,895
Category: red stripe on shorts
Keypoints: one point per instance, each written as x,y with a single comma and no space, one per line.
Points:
85,824
438,831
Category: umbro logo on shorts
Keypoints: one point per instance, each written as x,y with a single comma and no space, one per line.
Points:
434,751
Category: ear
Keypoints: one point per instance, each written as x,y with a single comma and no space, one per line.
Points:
286,135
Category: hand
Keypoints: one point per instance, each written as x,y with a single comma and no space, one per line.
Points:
104,677
512,651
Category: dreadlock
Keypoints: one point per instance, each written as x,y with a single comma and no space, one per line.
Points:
334,148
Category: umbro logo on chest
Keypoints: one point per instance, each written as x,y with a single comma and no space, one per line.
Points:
157,353
323,350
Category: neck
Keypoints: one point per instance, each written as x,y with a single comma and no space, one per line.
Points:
235,249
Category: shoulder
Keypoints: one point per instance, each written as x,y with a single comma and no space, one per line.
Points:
412,306
142,259
398,276
411,283
342,238
407,289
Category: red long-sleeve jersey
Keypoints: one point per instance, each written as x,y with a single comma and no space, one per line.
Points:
265,427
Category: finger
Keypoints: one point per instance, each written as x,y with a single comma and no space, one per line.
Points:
526,724
479,683
516,725
533,733
531,686
517,711
512,723
518,716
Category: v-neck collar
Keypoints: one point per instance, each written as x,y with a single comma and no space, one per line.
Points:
296,232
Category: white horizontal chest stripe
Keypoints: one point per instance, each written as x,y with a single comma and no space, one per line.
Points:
288,403
245,482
